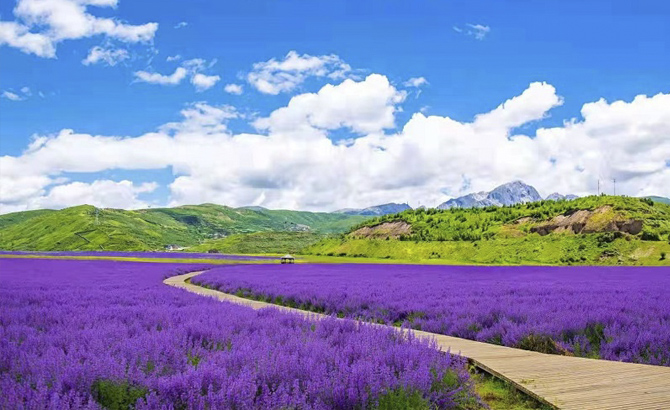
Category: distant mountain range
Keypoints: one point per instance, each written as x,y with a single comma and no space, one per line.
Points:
385,209
511,193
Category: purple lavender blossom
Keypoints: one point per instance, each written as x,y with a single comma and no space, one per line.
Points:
82,334
614,313
179,255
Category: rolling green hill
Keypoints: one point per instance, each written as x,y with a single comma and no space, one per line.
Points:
260,242
88,228
660,199
591,230
16,217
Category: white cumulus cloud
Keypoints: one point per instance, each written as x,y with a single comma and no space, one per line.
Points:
41,24
155,78
277,76
101,193
297,161
366,106
203,82
236,89
192,68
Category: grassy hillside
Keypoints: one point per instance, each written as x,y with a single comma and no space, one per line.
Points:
88,228
16,217
209,220
494,222
533,249
261,242
510,234
660,199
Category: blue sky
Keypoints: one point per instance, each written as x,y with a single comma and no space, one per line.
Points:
474,56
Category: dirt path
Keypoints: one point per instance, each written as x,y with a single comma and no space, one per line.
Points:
562,381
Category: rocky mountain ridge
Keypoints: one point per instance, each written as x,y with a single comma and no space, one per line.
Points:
511,193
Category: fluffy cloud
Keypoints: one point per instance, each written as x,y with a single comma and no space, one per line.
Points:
58,20
203,82
532,104
155,78
191,68
233,89
108,56
277,76
295,162
101,193
19,36
367,106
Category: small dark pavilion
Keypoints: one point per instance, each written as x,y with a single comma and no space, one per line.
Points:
287,259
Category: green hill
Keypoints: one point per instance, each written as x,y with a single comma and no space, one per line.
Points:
88,228
591,230
16,217
260,242
660,199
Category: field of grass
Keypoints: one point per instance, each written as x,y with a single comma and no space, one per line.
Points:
499,395
532,249
88,228
260,243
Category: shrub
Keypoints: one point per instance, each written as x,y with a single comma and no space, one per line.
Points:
117,395
400,398
538,343
647,201
648,235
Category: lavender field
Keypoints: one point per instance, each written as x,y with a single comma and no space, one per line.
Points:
177,255
108,334
612,313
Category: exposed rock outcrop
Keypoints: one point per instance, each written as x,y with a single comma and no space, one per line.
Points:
602,219
393,230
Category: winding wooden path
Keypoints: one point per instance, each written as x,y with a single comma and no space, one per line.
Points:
570,383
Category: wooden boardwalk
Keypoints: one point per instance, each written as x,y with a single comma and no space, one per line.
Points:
564,382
